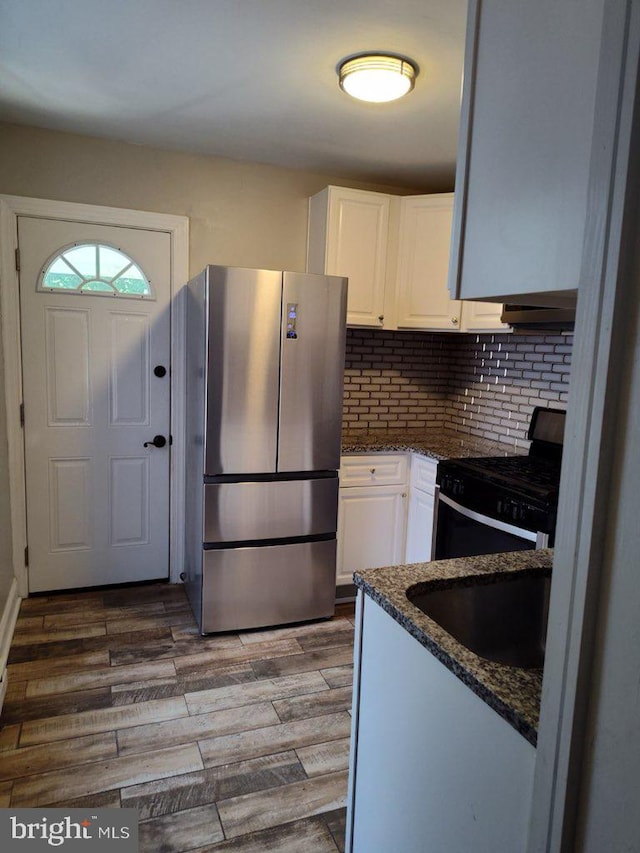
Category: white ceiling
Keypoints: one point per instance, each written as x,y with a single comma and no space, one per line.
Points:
248,79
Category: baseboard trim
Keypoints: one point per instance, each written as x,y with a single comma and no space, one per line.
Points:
345,593
7,627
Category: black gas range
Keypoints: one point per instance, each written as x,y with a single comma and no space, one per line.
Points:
502,503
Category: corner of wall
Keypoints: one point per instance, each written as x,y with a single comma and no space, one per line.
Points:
8,620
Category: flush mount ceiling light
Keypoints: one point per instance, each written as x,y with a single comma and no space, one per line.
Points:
377,77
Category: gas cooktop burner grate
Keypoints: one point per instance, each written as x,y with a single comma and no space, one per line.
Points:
523,471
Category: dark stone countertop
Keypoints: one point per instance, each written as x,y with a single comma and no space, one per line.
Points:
513,693
435,443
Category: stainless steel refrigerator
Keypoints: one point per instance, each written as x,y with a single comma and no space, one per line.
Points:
265,361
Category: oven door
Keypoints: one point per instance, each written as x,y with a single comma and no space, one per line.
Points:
461,532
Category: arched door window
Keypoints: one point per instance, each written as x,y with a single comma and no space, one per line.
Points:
96,269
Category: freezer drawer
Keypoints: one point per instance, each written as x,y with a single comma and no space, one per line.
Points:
267,585
243,512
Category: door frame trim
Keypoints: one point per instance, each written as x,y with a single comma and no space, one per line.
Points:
11,207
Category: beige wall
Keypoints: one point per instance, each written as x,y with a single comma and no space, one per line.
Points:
241,214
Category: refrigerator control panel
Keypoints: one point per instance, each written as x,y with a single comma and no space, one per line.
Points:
292,319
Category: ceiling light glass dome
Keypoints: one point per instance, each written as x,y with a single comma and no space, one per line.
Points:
377,77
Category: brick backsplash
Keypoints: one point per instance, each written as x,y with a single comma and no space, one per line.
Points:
395,380
486,385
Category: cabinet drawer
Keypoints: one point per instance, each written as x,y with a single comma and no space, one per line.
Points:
373,469
295,582
423,473
237,512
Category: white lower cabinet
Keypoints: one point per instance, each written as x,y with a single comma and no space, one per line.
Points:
385,511
421,509
371,512
371,524
419,526
432,767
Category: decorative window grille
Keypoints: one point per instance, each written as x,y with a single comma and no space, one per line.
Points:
96,269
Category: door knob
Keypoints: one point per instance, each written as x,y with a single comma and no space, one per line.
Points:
160,370
158,441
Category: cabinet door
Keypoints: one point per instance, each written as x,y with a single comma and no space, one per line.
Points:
525,148
354,236
423,263
419,526
425,747
371,528
483,317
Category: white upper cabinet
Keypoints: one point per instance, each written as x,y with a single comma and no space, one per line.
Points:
348,236
395,252
423,264
482,317
525,148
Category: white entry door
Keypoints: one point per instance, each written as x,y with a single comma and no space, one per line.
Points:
95,317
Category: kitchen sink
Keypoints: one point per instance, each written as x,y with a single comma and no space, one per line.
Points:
501,617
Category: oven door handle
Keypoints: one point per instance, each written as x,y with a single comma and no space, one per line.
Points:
434,522
541,540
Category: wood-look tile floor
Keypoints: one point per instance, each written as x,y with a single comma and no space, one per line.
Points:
236,742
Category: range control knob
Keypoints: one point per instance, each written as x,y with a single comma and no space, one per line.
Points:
458,487
515,510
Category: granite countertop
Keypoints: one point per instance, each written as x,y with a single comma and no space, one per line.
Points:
514,693
435,443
